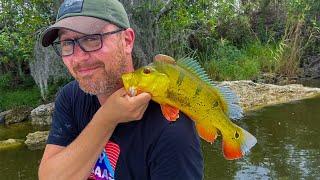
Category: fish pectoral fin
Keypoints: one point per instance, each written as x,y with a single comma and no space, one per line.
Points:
164,58
208,135
170,113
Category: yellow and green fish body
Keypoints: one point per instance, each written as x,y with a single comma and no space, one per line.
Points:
184,86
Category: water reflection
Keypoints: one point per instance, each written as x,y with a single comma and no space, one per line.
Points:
19,163
288,145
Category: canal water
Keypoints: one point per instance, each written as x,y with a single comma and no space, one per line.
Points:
288,147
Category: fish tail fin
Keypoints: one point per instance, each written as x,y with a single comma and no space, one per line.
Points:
238,144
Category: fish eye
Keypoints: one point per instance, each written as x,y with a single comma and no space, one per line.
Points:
146,70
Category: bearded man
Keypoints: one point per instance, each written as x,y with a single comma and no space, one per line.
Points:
98,131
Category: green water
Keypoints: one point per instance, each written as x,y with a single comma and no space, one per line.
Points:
287,148
19,163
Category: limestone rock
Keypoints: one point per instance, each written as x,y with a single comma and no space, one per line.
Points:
10,143
37,140
42,115
254,95
17,115
3,115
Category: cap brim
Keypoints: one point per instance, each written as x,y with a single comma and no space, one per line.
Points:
79,24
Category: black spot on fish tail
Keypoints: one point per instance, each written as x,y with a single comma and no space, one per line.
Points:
236,135
215,104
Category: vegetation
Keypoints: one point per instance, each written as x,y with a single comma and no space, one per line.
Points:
232,39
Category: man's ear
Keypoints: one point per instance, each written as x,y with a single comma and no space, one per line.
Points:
129,38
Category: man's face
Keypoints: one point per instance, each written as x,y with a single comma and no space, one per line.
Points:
99,72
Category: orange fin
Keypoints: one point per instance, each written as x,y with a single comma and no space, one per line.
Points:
164,58
237,145
231,151
170,113
208,135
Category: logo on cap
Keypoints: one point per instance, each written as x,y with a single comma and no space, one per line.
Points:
70,6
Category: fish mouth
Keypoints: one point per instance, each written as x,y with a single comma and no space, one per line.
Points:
132,91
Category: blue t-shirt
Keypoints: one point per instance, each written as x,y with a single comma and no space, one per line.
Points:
151,148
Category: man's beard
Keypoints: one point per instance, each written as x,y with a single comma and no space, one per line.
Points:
107,81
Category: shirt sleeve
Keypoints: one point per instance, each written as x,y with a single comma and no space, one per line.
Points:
63,130
178,153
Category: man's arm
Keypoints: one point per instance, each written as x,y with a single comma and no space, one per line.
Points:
77,159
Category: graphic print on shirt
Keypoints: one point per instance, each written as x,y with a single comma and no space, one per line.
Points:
105,166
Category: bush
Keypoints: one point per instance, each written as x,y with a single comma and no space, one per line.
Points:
233,70
265,54
5,81
20,97
227,62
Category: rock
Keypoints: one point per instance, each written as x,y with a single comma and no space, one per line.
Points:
311,66
37,140
3,115
17,115
269,78
42,115
254,95
10,143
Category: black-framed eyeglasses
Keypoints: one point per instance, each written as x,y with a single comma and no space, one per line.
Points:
88,43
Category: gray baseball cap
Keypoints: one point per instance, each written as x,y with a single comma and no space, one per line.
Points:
86,17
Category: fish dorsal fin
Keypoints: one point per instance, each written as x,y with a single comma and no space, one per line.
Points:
234,110
194,67
164,58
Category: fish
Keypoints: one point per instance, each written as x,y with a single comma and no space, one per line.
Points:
183,85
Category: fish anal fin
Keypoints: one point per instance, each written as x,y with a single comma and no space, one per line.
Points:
208,135
170,113
164,58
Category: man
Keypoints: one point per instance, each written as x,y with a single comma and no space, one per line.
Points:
98,131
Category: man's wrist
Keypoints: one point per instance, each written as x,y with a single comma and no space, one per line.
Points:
104,119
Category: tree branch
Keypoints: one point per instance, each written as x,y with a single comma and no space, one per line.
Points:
163,10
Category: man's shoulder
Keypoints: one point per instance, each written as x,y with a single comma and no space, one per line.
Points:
70,87
72,94
71,90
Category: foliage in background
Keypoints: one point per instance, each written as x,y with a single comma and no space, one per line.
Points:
20,21
13,95
232,39
261,36
19,97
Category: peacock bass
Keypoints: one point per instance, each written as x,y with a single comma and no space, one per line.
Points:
183,85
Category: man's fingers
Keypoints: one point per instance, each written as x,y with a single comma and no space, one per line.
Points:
122,92
142,98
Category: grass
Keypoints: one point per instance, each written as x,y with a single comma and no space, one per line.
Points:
19,97
227,62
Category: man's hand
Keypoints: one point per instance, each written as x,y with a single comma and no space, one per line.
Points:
120,107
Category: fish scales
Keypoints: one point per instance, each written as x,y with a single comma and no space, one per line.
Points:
190,85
